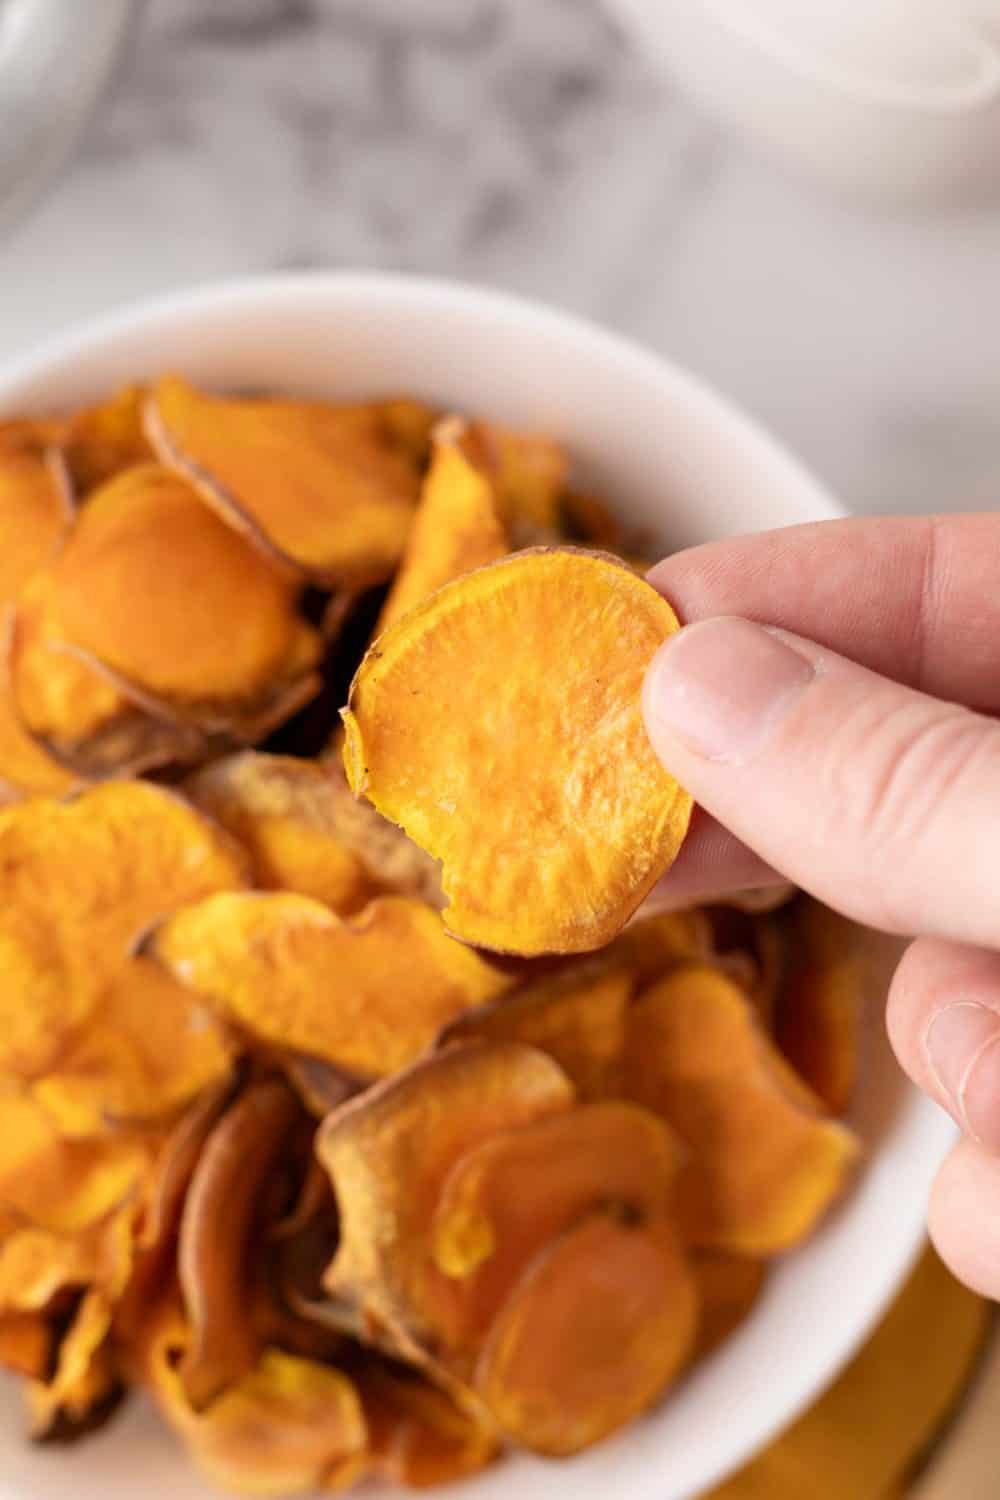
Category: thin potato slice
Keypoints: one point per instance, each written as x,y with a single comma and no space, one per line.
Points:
577,1017
148,1051
594,1333
319,493
764,1165
368,995
220,1220
529,472
819,1006
214,626
306,833
288,1426
499,724
78,882
507,1198
85,1384
729,1287
34,516
457,526
388,1154
653,945
417,1434
101,441
26,768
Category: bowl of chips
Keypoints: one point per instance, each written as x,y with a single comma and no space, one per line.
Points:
360,1123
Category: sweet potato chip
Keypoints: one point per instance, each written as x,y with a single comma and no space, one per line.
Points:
154,586
306,832
388,1154
507,1198
457,526
368,994
499,724
219,1221
25,1344
85,1380
587,520
34,516
653,945
417,1434
577,1017
321,494
289,1425
26,769
78,882
102,440
529,472
728,1289
819,1007
149,1049
764,1166
594,1333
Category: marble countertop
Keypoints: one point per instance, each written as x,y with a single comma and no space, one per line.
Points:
526,143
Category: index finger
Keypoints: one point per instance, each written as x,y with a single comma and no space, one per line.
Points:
912,598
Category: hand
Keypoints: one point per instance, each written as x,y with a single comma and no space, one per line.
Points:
831,712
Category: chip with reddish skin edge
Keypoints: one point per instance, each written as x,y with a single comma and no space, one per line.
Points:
499,724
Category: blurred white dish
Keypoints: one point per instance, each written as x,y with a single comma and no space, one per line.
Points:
895,99
672,456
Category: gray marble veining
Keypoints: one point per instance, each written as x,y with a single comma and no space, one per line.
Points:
527,144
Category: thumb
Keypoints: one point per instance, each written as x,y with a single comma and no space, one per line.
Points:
881,801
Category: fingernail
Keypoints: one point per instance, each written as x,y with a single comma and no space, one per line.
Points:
961,1047
722,686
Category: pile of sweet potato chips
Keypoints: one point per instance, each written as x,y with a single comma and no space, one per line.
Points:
345,1195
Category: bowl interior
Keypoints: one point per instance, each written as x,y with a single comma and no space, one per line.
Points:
676,460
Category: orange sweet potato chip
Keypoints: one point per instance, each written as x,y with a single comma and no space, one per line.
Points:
457,526
315,490
288,1426
78,882
819,1006
216,632
529,473
728,1289
764,1165
368,994
594,1333
217,1230
85,1382
417,1434
587,520
101,441
25,1344
149,1049
577,1017
508,1197
499,724
306,832
388,1154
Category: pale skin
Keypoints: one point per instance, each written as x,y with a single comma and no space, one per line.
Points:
853,746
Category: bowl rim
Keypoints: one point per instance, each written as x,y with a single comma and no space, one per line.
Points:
927,1130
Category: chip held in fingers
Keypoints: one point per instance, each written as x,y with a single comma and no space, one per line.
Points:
499,724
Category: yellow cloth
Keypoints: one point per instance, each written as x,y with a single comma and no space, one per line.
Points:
868,1433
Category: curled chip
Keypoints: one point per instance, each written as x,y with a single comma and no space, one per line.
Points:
458,525
595,1331
507,1198
287,1426
765,1163
100,441
819,1006
216,645
306,832
388,1154
577,1017
529,474
499,724
417,1434
85,1386
320,490
368,994
220,1217
78,882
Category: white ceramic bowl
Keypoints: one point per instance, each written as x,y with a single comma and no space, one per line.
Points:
672,456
